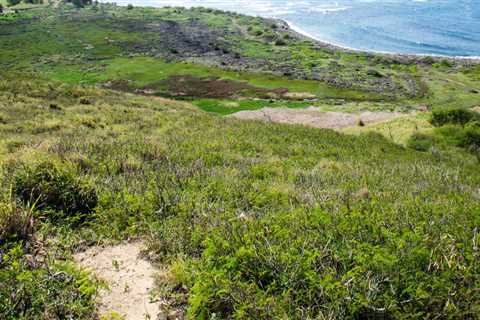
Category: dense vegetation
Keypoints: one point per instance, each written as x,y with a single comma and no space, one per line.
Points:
256,221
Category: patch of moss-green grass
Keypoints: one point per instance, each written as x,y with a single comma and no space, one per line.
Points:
226,107
454,89
143,71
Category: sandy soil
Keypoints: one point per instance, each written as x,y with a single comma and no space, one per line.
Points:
129,277
299,95
314,118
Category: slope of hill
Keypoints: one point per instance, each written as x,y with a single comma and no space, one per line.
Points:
253,220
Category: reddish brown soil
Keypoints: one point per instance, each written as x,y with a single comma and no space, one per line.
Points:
212,87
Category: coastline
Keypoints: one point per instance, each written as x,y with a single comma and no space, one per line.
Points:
292,28
406,57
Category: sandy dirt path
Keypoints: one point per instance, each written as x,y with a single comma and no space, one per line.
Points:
314,118
129,278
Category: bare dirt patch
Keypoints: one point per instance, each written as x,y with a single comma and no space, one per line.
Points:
314,118
179,86
299,95
129,278
204,87
119,85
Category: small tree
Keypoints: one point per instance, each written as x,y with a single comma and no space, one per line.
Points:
130,7
280,42
81,3
12,3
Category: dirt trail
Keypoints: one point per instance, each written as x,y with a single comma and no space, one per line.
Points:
129,277
314,118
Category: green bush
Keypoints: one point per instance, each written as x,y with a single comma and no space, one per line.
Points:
443,64
12,3
428,60
375,73
456,116
420,142
30,290
280,42
81,3
312,265
56,187
16,221
268,35
257,31
467,137
472,135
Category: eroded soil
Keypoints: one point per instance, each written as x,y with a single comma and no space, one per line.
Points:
313,118
129,278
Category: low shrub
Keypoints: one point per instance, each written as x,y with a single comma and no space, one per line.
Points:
280,42
30,290
455,116
269,36
428,60
16,221
256,31
85,101
443,64
12,3
420,142
375,73
55,187
467,137
311,265
471,135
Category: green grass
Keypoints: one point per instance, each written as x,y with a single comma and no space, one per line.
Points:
398,130
454,90
226,107
143,71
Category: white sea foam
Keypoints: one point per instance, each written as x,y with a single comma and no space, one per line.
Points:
328,10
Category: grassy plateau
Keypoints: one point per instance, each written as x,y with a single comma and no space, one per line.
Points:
113,128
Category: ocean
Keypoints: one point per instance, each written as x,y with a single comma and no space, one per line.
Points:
433,27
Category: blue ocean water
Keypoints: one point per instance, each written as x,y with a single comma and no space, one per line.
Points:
437,27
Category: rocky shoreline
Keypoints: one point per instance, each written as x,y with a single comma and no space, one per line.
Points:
397,57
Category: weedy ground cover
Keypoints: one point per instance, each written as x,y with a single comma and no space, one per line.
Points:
258,219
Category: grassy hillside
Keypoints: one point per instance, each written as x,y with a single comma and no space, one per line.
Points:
252,220
337,225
